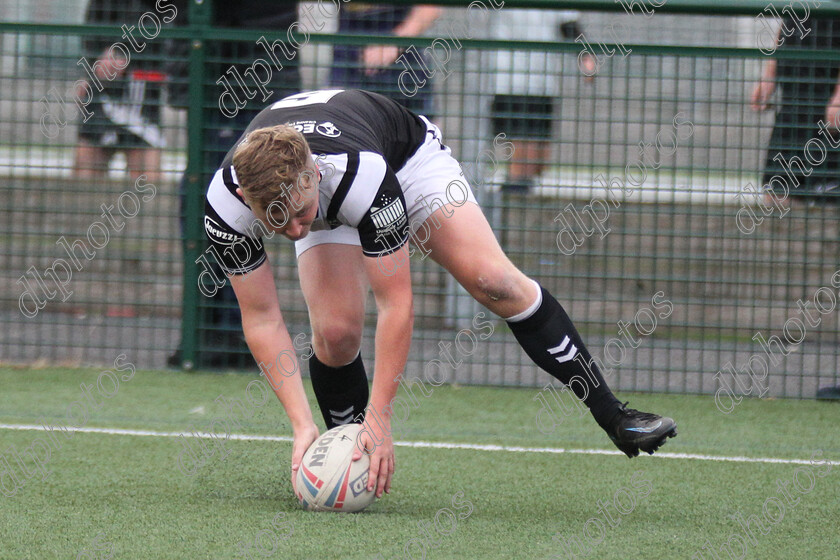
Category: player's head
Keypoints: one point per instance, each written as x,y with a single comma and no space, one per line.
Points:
278,179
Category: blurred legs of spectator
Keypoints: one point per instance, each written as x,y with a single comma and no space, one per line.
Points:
125,117
526,120
527,164
92,162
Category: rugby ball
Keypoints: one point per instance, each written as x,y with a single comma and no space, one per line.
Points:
328,479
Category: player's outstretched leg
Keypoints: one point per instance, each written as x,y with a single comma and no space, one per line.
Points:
333,282
465,245
549,337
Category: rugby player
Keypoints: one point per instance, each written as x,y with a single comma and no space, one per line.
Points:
349,176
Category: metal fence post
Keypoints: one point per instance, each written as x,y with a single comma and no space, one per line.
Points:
198,23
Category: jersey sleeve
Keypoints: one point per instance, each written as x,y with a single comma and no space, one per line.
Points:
231,227
365,194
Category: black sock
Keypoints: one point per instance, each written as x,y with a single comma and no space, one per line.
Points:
551,340
342,392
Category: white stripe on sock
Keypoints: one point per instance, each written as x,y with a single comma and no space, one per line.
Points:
531,309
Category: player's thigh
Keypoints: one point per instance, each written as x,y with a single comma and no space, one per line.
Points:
446,219
462,242
334,284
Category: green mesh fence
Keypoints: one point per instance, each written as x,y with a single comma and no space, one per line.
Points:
623,160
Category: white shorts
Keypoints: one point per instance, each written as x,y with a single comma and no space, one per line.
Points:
431,173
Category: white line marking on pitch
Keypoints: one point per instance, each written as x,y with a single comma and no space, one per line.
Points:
424,444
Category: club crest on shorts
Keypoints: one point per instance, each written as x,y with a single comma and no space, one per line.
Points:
393,213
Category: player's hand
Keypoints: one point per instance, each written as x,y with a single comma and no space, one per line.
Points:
376,57
382,459
761,95
303,438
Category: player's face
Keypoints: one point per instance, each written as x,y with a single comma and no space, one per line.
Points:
301,220
303,209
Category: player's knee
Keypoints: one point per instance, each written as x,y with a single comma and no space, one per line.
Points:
494,286
337,344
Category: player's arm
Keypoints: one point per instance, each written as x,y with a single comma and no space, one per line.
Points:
241,255
268,338
383,232
395,318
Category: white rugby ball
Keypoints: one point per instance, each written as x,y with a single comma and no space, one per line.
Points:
328,479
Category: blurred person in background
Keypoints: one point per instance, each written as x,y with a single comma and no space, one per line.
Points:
126,113
375,67
810,92
527,83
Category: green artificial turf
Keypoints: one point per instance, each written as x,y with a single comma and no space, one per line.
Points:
126,497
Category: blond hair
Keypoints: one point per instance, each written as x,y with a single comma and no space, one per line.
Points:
269,163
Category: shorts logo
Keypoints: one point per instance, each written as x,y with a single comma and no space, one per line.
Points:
328,129
388,215
216,233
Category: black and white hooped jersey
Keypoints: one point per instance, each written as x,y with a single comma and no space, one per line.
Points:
359,140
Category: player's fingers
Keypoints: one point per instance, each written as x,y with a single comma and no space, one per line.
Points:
297,459
373,474
363,443
384,477
390,475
